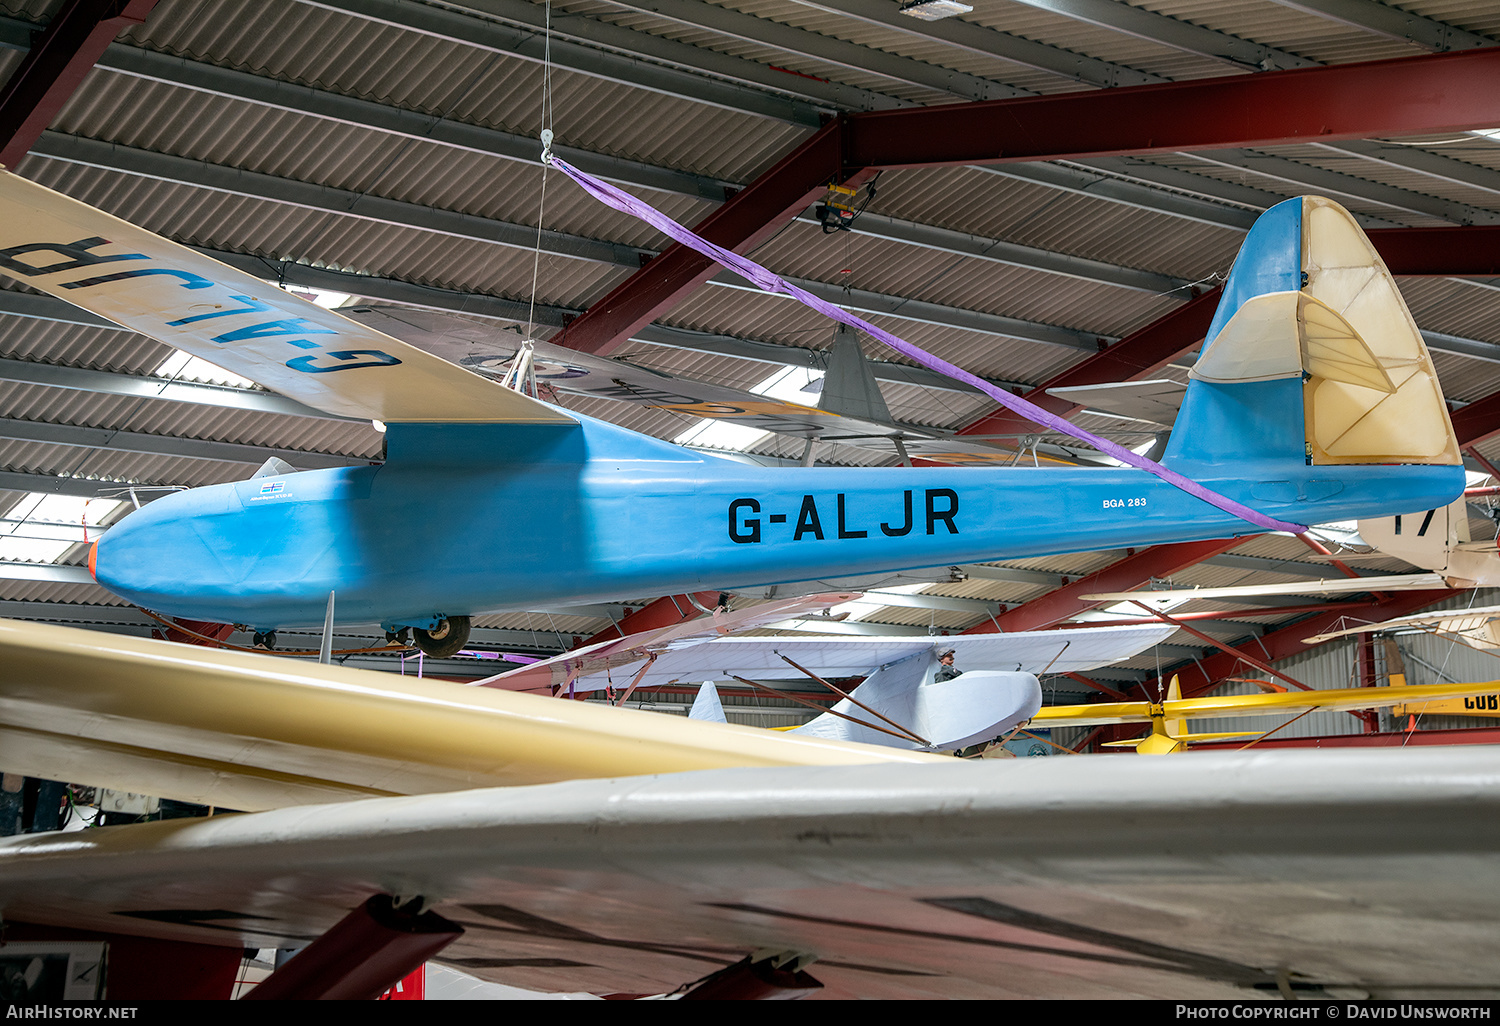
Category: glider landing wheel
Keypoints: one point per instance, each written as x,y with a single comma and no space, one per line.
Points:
445,639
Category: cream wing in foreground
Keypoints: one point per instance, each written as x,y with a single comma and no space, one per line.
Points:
259,732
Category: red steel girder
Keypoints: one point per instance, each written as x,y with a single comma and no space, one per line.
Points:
55,66
664,612
148,968
1431,93
1089,681
1456,250
1477,421
195,632
362,956
748,219
1408,96
1128,573
1202,675
1260,665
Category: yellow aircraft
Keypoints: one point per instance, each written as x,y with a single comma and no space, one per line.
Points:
1168,718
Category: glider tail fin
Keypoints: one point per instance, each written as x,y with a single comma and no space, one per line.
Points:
1314,362
706,706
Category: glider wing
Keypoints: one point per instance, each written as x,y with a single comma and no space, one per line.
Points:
486,349
176,295
1023,878
246,731
704,658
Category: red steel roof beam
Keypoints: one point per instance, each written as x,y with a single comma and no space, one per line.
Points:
1459,250
1408,96
749,218
664,612
1478,421
362,956
1080,678
56,65
1238,654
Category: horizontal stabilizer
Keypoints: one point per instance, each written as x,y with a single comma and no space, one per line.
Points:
234,320
1283,335
1211,736
1154,401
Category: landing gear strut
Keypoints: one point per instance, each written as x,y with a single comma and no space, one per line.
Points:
445,639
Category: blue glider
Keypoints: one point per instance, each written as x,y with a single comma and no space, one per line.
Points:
1314,400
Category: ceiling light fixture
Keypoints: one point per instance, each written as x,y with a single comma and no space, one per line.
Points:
934,10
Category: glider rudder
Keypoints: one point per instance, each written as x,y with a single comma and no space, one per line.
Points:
1314,392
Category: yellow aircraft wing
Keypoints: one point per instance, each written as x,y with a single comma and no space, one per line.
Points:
169,292
257,732
1254,705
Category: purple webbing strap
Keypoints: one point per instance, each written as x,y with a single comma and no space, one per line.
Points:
769,282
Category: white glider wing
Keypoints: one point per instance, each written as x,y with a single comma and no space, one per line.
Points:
1318,874
169,292
487,350
1329,586
702,658
1468,622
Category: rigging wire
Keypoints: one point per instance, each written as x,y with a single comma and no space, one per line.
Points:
547,136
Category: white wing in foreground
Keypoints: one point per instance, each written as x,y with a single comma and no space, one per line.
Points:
1339,873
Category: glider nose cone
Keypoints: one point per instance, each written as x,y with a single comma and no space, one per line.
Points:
110,567
152,556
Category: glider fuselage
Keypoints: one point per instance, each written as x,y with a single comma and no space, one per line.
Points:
451,526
